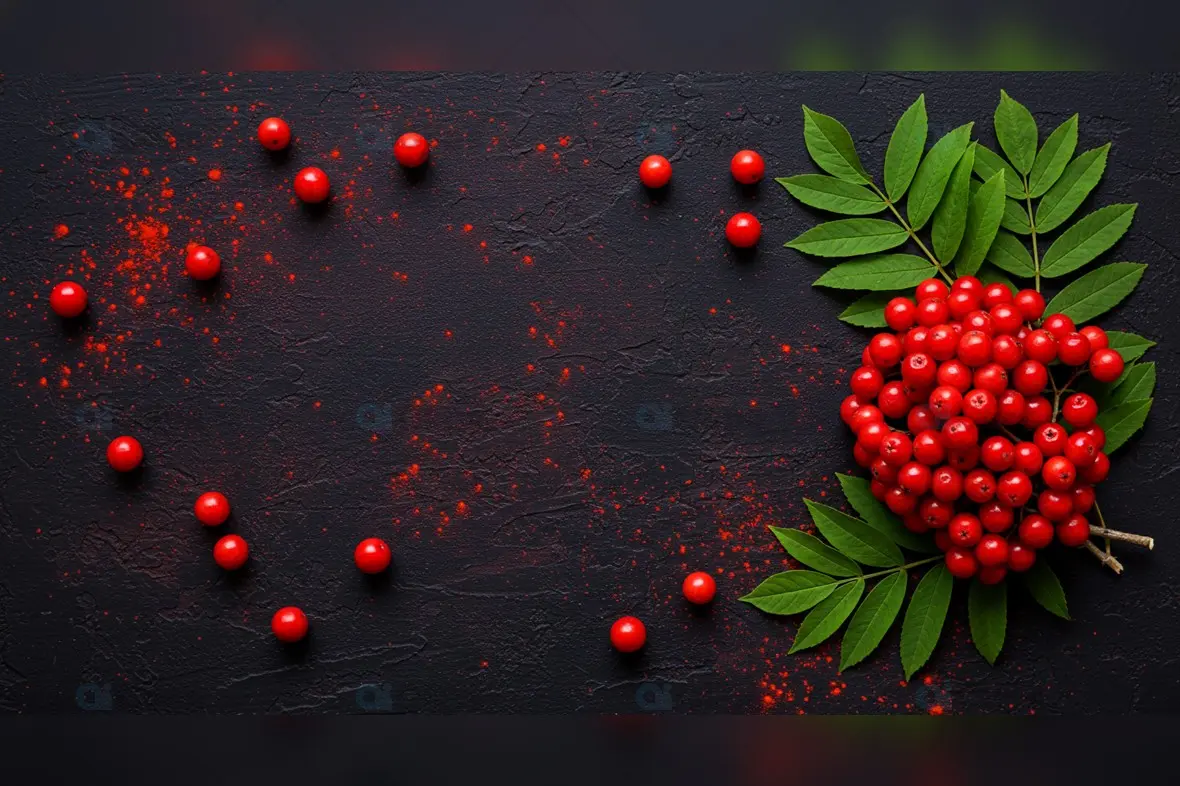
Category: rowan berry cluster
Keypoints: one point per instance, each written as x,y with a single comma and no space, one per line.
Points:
966,369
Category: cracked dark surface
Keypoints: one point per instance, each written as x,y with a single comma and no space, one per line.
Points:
304,411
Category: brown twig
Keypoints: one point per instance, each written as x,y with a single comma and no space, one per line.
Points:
1106,559
1126,537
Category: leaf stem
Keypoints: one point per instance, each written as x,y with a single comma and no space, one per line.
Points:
898,569
913,235
1032,223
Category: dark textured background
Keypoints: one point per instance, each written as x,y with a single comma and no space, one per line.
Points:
616,404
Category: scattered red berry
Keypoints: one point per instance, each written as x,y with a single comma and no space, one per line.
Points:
747,167
274,133
212,508
372,555
68,299
699,588
311,185
124,454
231,552
743,230
411,150
289,624
627,634
655,172
202,263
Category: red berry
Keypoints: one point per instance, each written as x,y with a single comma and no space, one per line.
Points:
124,454
929,288
1010,408
865,358
879,490
885,350
916,341
1020,558
1014,488
997,454
896,448
274,133
1035,531
1031,304
1007,352
992,550
1106,365
883,471
935,513
920,419
1037,410
1098,435
231,552
941,342
900,501
946,484
914,478
928,447
1059,473
981,321
1006,319
941,540
900,314
743,230
699,587
945,402
1079,410
1030,377
1028,458
995,294
992,574
961,563
969,284
975,348
996,516
311,185
1073,349
1059,325
979,485
289,624
956,374
894,400
864,415
980,406
655,172
1041,346
913,522
1080,449
1097,337
919,370
1054,505
963,459
866,382
1097,472
1050,438
747,167
960,303
212,508
628,634
862,457
411,150
1083,497
932,311
202,263
1074,531
870,436
68,299
372,555
848,408
991,378
965,530
959,433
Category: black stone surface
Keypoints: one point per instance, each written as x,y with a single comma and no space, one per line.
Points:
527,508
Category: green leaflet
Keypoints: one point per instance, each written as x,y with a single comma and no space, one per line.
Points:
1129,345
854,538
830,144
933,173
832,194
1086,239
826,618
1046,590
987,612
988,162
924,618
791,592
814,553
950,217
1053,157
850,237
983,221
1071,189
860,497
1096,292
868,311
1016,132
1120,423
1138,385
1009,254
873,619
1015,218
886,272
905,149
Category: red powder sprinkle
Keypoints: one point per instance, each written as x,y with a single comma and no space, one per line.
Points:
528,260
468,227
214,174
564,141
60,231
541,147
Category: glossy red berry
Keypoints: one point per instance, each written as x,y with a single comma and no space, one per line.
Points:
1106,365
980,321
963,459
1097,472
1098,434
411,150
942,541
920,419
870,436
864,415
919,370
896,448
1074,531
68,299
289,624
202,263
914,478
995,294
969,284
900,501
991,551
928,448
372,555
1059,325
1007,352
1010,408
848,408
980,406
1055,505
992,574
124,454
1035,531
961,563
979,486
995,516
862,457
900,314
747,167
231,552
975,348
930,288
941,342
946,484
1079,410
894,400
1097,336
959,433
1014,488
1083,497
932,311
1050,439
311,185
945,402
211,508
879,490
960,303
1073,349
883,471
965,530
743,230
1059,473
916,340
885,350
997,454
699,588
866,382
955,374
628,634
914,523
1006,319
1041,346
1037,410
935,513
655,172
991,378
1080,449
1029,378
274,133
1020,558
1028,458
1031,304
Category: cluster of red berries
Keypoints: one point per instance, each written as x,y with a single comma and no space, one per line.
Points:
747,167
629,634
965,366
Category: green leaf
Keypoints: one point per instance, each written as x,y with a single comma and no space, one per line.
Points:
988,162
950,217
791,592
1071,189
1120,423
814,553
905,149
1016,132
989,275
1086,239
1096,292
831,146
987,611
873,620
983,221
887,272
833,194
924,618
854,538
1138,385
827,617
1046,589
1053,158
933,173
1015,218
1008,253
1129,345
860,497
868,311
850,237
